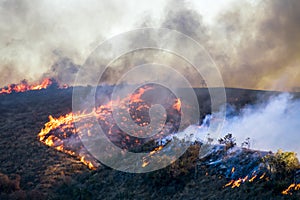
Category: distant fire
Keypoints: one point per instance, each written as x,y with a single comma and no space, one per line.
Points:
58,132
24,86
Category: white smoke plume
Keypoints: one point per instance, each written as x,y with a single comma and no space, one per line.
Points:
270,126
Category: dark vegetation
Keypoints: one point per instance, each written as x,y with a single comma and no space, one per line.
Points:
31,170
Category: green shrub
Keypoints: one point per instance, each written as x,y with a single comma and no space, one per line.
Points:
282,164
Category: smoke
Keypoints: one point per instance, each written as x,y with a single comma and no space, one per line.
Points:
182,17
255,43
64,71
270,126
260,44
32,32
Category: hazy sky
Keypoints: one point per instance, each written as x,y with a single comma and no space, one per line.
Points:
254,43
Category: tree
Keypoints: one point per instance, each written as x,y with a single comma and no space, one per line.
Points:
209,139
228,140
246,143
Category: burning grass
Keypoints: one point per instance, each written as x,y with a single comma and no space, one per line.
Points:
61,133
24,86
48,173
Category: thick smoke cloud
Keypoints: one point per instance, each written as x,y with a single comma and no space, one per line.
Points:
254,43
33,32
260,44
64,71
180,16
269,126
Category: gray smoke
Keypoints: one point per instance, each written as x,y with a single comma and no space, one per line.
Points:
254,43
260,44
32,32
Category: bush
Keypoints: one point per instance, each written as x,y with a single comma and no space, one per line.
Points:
228,140
7,185
282,164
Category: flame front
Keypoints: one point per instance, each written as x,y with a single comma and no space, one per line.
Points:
57,131
292,187
63,123
23,86
237,183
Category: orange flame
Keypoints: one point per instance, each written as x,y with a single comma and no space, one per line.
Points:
232,170
23,86
65,124
56,142
238,182
145,163
229,183
252,179
262,176
155,150
177,105
87,163
136,97
292,187
145,159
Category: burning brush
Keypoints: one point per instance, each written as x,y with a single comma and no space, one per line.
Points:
24,86
62,134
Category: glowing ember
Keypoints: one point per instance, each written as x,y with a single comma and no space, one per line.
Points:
262,176
146,158
155,150
23,86
145,163
232,170
58,132
252,179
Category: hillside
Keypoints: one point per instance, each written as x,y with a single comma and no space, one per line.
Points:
32,170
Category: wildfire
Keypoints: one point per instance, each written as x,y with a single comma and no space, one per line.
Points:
57,131
262,176
239,181
232,169
252,179
145,163
292,187
177,105
236,183
87,163
57,142
146,158
136,97
23,86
